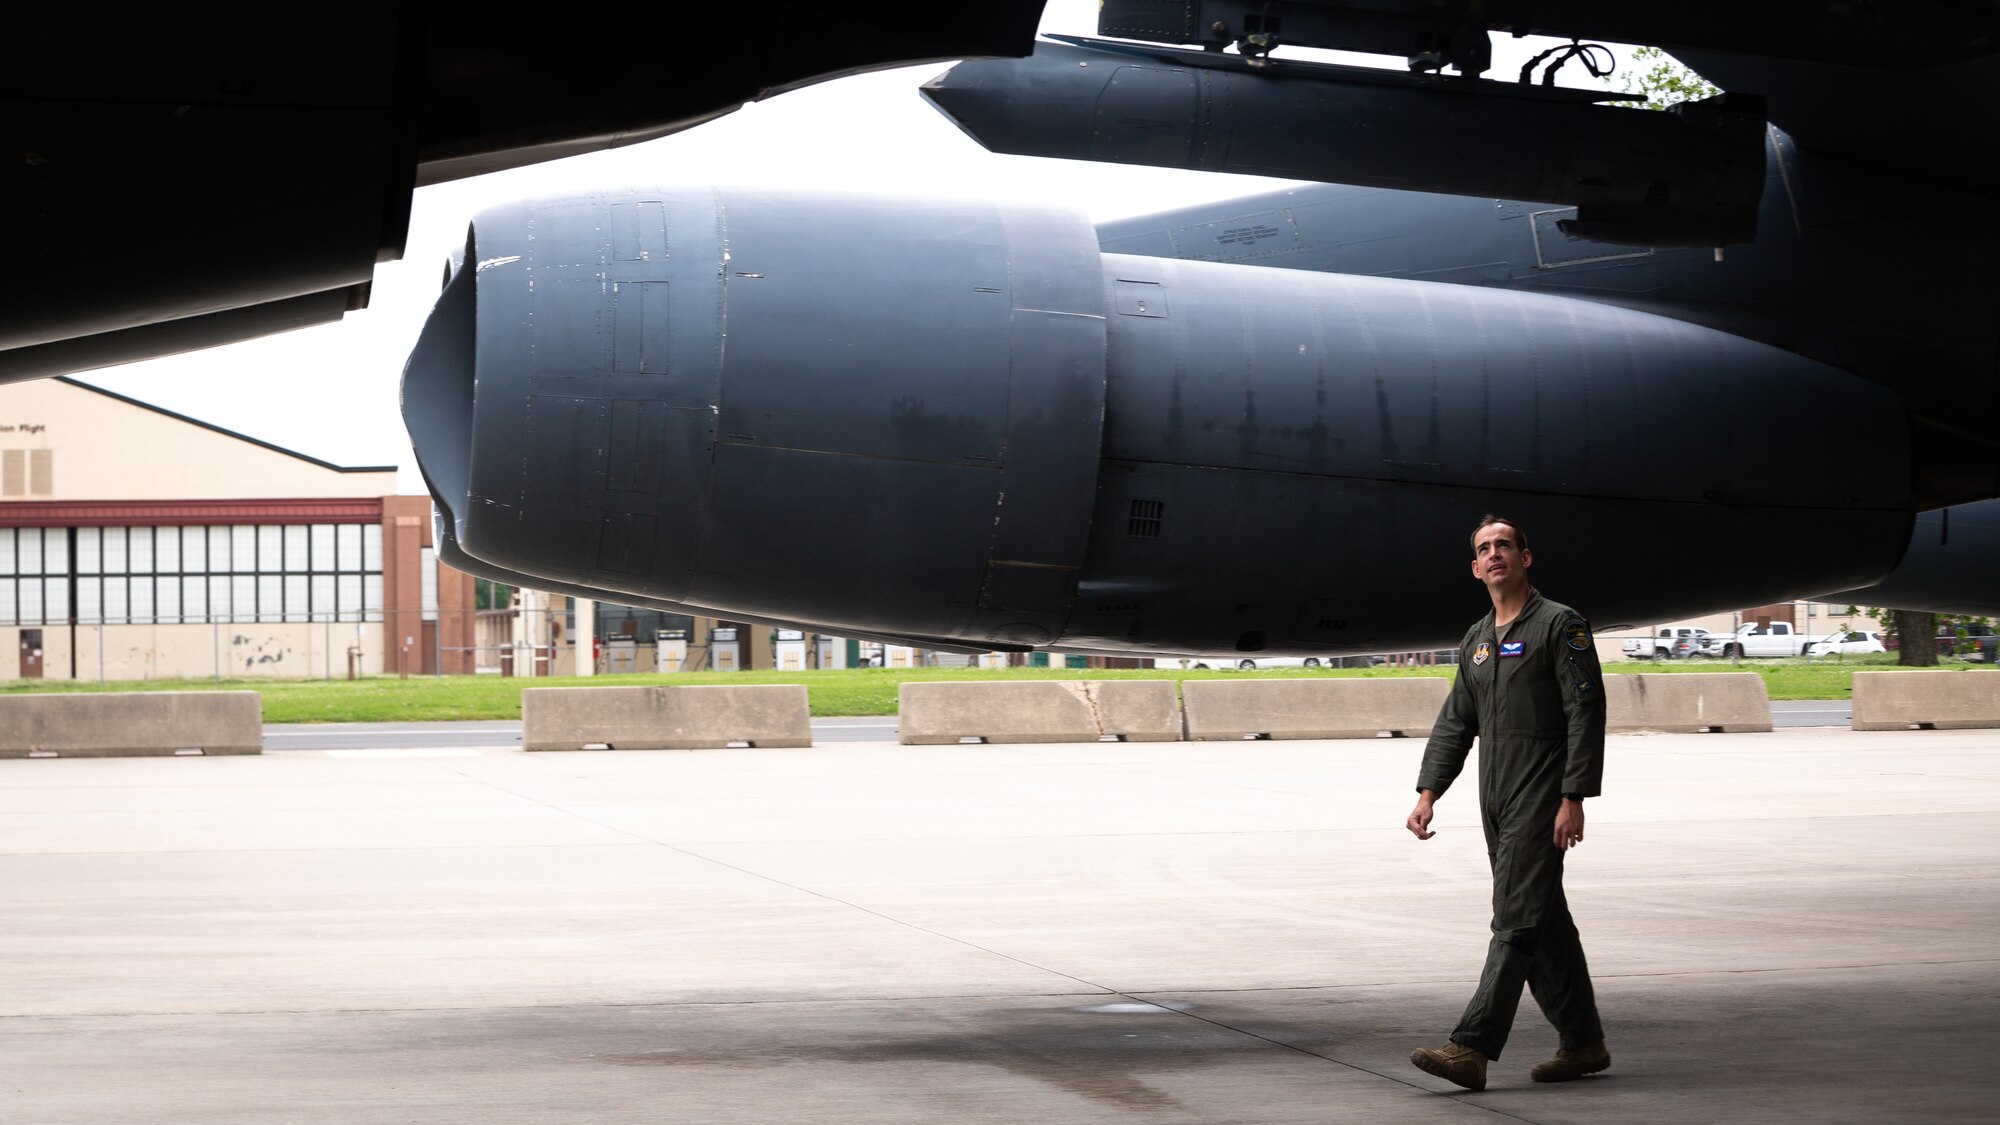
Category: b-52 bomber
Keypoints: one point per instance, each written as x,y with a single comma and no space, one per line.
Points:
1738,352
1255,427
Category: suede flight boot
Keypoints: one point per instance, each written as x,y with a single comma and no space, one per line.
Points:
1568,1064
1454,1062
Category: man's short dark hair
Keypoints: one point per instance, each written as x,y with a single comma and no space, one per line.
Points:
1488,520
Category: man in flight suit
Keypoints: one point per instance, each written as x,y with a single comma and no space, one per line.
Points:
1529,688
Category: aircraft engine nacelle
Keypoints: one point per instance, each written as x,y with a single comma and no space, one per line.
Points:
849,412
963,424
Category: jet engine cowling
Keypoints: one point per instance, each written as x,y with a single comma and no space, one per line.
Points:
962,423
842,413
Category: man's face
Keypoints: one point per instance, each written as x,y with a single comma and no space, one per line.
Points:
1498,560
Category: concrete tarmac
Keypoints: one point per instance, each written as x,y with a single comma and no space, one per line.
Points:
1795,926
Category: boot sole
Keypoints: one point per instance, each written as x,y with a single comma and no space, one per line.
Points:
1565,1076
1431,1066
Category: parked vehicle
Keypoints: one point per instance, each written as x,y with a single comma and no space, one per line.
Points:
1247,663
1852,641
1978,642
1667,644
1776,639
1252,663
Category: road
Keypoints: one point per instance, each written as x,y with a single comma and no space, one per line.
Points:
1811,713
459,733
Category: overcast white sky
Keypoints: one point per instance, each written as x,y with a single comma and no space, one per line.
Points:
330,391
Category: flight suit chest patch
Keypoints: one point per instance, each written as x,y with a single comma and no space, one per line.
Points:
1480,654
1513,648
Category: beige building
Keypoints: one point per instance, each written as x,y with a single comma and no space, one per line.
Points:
136,543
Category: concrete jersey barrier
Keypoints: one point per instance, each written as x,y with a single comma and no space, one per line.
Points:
932,714
131,724
1315,708
1690,703
1935,700
665,718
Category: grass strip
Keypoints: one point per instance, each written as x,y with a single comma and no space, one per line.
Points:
848,691
1822,677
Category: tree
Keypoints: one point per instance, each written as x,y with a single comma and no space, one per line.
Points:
487,594
1904,624
1664,81
1916,629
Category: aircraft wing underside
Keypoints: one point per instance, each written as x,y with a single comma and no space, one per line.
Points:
264,173
182,177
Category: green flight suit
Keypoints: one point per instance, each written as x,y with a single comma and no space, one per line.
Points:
1533,694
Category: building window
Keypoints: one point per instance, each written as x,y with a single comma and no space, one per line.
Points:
192,575
34,575
427,565
27,472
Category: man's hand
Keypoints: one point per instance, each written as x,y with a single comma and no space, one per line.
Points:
1419,823
1569,824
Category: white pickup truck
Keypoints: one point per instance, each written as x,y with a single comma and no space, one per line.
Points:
1668,644
1776,639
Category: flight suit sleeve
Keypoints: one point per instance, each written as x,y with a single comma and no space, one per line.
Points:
1582,680
1451,736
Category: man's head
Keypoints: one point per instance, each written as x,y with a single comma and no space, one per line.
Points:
1500,555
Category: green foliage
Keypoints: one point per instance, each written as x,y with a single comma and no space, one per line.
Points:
1794,677
1664,81
1896,623
848,691
1957,622
851,691
488,594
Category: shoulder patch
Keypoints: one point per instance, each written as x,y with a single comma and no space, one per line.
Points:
1576,631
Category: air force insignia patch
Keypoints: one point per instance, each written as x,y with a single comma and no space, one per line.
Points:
1480,654
1513,648
1577,632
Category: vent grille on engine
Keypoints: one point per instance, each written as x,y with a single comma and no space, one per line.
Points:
1144,520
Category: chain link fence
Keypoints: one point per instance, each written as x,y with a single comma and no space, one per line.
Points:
537,640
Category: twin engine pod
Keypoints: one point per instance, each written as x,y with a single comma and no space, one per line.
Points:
961,424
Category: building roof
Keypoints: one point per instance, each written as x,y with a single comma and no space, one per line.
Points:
223,431
186,513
